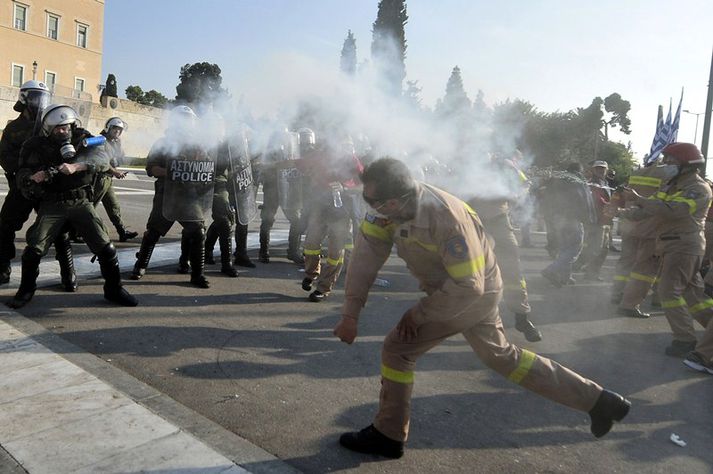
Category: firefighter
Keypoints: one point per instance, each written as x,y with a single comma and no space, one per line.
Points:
59,168
680,208
16,209
494,214
445,247
104,186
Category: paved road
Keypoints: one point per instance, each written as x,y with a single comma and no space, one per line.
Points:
254,356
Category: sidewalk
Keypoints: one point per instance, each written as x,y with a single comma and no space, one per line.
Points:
64,410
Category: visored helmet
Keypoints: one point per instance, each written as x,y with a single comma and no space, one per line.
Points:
307,137
115,122
684,153
58,114
34,96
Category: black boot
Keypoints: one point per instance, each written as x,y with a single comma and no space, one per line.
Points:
197,256
124,234
184,266
211,237
293,246
113,290
241,247
525,326
63,248
264,255
610,407
143,257
371,441
5,271
226,249
28,281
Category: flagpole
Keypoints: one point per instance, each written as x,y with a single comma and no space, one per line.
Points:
707,119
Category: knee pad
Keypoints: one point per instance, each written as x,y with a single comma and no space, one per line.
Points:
31,255
152,236
108,252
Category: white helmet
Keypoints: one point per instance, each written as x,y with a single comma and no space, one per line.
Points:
115,122
184,110
58,114
35,96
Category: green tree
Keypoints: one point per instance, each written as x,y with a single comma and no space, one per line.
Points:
135,93
348,61
200,83
152,98
388,45
456,101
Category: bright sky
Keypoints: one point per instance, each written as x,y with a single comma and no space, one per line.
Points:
556,54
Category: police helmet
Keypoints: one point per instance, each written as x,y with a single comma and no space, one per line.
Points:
115,122
56,115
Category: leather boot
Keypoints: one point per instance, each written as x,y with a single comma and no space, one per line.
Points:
143,257
293,246
184,266
241,247
211,237
124,234
610,407
264,255
226,266
525,326
371,441
197,258
64,257
28,281
113,290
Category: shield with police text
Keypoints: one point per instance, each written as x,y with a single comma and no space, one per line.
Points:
289,178
188,190
241,178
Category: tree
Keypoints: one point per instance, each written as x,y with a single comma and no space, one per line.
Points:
200,83
348,61
456,101
412,95
388,45
151,98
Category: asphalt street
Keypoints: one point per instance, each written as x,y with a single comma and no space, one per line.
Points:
253,355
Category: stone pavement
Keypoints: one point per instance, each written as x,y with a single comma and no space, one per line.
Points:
59,415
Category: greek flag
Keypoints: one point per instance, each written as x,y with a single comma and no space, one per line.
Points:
666,131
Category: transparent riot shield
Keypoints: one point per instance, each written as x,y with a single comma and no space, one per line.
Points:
241,179
289,179
188,190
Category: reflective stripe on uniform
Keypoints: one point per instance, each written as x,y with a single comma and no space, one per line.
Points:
621,278
527,358
396,375
640,277
429,247
464,269
701,306
349,247
470,210
373,230
523,284
312,252
335,261
645,181
677,197
675,303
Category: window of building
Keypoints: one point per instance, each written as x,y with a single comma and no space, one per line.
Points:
50,79
52,26
78,87
82,32
20,21
18,75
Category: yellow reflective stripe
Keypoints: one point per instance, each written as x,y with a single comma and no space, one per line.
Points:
429,247
701,306
692,206
312,252
335,261
470,210
523,176
373,230
349,247
396,375
527,358
676,303
640,277
523,284
645,181
621,278
464,269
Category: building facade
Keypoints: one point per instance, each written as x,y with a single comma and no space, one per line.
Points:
58,42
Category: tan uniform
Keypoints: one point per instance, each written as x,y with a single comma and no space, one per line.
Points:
638,264
325,220
681,206
445,247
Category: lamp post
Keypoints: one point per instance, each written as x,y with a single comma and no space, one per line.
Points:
695,134
34,70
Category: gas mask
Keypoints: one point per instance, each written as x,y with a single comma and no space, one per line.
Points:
67,150
669,171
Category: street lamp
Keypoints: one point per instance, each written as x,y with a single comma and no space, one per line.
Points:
695,134
34,70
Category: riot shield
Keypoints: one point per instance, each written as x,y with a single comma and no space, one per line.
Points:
242,184
289,178
188,190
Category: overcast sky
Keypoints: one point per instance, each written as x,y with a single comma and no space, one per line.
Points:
556,54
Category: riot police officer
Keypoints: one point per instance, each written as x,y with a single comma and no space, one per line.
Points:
187,166
16,209
58,168
104,189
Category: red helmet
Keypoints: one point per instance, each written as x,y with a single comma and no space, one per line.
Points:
685,153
